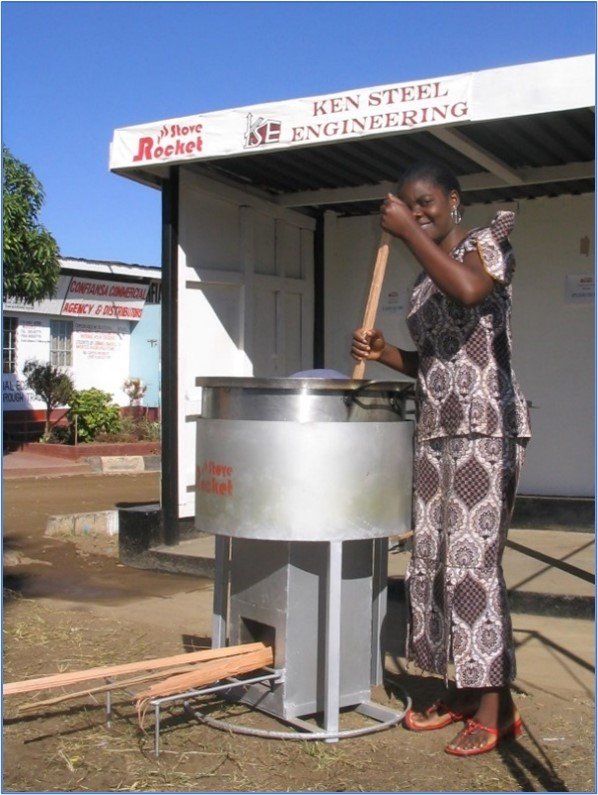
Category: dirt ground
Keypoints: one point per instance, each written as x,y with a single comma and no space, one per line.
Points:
69,606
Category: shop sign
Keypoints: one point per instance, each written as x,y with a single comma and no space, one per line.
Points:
15,394
363,113
580,289
392,302
154,293
48,306
95,298
82,297
98,340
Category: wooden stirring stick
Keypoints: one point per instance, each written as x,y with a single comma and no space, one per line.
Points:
371,307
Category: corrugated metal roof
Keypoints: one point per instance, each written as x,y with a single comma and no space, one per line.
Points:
109,268
548,154
545,140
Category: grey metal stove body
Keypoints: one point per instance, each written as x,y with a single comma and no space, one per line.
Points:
279,594
302,483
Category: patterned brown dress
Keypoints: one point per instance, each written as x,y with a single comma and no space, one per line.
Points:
472,425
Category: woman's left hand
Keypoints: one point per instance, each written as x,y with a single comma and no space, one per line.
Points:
395,217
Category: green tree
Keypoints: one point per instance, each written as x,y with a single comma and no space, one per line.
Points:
29,253
49,384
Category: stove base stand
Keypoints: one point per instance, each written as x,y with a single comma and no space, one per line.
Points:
384,716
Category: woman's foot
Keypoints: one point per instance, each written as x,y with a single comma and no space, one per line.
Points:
439,715
478,738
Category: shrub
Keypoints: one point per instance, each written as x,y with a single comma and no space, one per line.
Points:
135,389
150,431
50,384
59,434
94,413
132,429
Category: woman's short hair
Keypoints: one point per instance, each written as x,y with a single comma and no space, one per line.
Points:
436,173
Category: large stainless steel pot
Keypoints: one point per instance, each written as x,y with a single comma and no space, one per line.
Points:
303,459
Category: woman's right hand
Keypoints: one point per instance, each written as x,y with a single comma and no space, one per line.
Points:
367,344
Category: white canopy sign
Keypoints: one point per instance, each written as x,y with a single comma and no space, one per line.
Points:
361,113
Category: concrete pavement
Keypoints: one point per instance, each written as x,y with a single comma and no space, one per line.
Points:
20,463
27,463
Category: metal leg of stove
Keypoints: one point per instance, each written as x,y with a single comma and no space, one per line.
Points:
379,712
157,730
333,638
108,708
379,607
221,587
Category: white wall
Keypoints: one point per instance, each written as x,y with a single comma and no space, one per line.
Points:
553,338
100,358
555,344
245,298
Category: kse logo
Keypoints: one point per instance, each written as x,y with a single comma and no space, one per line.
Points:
261,131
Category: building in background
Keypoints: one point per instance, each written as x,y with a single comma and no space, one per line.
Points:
102,327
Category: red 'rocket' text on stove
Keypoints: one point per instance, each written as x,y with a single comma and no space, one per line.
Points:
215,478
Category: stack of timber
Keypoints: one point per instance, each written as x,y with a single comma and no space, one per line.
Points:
164,676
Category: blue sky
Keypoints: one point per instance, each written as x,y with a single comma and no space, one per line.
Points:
72,72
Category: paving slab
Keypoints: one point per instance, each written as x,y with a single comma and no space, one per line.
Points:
121,464
76,524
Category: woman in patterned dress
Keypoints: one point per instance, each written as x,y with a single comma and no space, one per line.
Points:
472,426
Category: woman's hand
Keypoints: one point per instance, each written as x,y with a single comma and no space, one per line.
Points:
367,344
396,217
370,344
466,281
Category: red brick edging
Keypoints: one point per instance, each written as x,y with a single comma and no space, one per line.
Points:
80,451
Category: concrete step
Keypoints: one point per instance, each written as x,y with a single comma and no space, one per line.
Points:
548,572
560,583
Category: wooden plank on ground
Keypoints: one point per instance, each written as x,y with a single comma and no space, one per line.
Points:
212,671
73,677
117,684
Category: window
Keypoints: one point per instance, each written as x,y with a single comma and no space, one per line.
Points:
9,344
61,342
